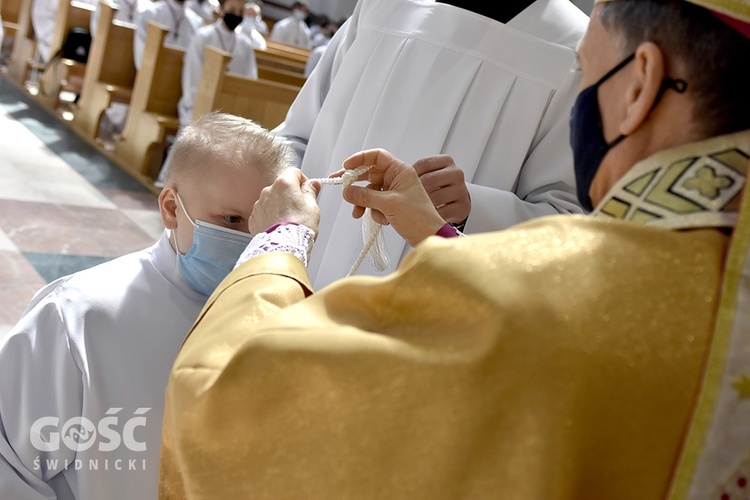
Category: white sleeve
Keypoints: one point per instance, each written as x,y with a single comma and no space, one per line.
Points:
249,66
192,67
94,19
39,379
139,40
303,112
546,182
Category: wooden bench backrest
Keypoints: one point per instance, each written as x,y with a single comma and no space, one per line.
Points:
262,101
25,28
11,11
158,84
270,59
280,75
111,57
286,55
24,45
70,14
291,49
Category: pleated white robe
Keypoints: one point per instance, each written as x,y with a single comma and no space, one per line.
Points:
422,78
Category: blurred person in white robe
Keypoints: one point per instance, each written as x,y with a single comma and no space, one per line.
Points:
490,86
224,34
252,24
182,24
293,30
208,10
126,12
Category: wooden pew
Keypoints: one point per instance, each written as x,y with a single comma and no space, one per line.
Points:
110,71
295,50
153,107
262,101
70,14
273,59
10,11
24,45
280,75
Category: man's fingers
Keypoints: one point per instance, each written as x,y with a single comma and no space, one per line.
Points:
293,175
363,197
378,217
448,195
432,163
312,187
442,178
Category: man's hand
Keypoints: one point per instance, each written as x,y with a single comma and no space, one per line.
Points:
444,183
291,198
395,195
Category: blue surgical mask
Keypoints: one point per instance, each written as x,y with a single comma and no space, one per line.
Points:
300,15
587,132
249,22
212,256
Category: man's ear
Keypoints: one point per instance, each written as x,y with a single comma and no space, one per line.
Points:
168,207
648,69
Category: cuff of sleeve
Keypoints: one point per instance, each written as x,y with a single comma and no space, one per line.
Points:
291,238
448,231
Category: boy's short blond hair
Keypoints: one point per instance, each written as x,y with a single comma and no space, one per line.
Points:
229,141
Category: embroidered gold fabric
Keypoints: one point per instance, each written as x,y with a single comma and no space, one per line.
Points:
559,359
696,185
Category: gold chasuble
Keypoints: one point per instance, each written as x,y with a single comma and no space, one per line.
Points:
569,357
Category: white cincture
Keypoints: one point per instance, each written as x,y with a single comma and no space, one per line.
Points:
371,230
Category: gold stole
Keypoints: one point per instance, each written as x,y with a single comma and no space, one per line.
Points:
701,185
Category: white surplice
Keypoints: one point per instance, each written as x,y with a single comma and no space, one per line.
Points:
216,35
420,78
208,10
292,31
127,11
97,344
249,28
181,22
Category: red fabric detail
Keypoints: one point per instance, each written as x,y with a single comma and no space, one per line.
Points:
741,27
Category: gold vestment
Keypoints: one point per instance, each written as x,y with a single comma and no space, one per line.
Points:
559,359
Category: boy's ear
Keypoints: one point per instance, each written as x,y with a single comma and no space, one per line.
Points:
168,207
649,67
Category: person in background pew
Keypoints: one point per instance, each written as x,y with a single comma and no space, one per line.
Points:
251,26
182,24
323,39
492,91
43,15
293,30
208,10
126,12
318,25
93,350
261,24
224,35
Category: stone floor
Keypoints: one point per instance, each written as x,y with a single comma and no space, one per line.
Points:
63,206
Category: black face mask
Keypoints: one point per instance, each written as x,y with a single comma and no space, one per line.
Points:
587,132
232,20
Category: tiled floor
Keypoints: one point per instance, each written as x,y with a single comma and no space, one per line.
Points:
63,206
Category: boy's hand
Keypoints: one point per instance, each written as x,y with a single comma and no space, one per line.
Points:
291,198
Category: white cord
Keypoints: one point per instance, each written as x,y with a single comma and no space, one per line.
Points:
372,233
